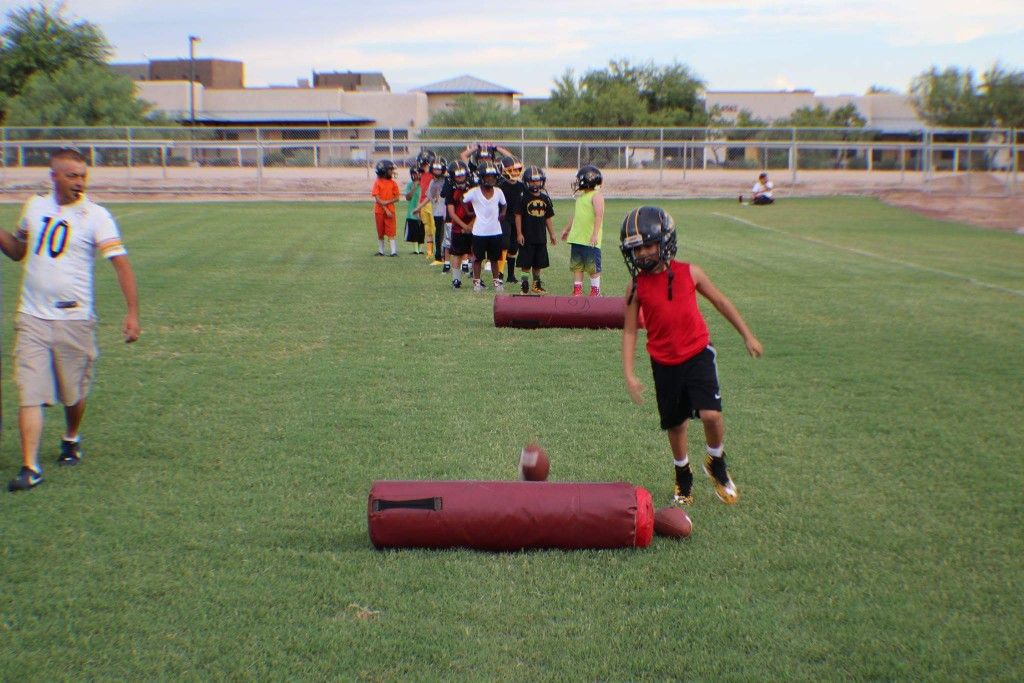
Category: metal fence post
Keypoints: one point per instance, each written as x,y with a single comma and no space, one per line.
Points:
128,165
259,162
661,160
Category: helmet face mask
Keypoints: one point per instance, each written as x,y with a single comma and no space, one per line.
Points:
511,169
459,174
534,178
488,174
425,158
587,178
437,168
642,227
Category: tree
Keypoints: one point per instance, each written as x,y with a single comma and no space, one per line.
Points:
78,95
624,94
1003,92
949,98
41,39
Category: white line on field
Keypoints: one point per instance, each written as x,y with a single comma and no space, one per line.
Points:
870,254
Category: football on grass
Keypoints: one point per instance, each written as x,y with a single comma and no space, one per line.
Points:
533,463
672,522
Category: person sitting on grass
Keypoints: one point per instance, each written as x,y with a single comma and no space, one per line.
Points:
763,191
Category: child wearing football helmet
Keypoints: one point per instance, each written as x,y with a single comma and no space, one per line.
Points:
459,213
532,218
512,186
584,230
664,291
385,194
489,206
438,171
413,225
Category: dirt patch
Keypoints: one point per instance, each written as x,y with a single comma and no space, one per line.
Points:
973,199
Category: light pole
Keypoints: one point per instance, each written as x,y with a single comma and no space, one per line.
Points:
192,40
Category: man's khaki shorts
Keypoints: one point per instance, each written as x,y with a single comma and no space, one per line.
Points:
53,360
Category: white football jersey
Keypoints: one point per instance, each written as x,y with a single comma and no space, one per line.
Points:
61,244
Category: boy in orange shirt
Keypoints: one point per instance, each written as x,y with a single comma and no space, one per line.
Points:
385,195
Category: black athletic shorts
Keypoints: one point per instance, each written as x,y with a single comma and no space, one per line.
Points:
488,247
462,244
509,242
684,390
533,256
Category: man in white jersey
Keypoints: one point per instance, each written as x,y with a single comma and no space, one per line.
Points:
60,234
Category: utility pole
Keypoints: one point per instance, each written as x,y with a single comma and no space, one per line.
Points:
192,40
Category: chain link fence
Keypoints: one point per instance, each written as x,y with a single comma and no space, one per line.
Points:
337,161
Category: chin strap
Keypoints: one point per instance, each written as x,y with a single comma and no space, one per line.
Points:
670,276
632,292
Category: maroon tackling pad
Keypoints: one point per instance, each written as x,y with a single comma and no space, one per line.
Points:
595,312
509,515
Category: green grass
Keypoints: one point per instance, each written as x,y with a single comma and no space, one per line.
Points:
218,526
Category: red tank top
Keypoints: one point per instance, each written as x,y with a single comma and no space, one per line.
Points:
676,331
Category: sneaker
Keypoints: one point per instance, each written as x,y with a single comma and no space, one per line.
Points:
446,268
525,285
465,267
70,453
379,253
435,262
394,255
577,290
456,284
478,286
538,287
680,498
499,286
595,291
725,489
511,280
27,478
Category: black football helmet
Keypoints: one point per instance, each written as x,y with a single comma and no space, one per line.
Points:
643,226
438,168
415,173
384,168
587,178
458,173
534,178
424,157
488,173
483,153
511,169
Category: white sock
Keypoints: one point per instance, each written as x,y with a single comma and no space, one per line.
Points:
682,463
716,452
394,247
595,281
381,244
72,439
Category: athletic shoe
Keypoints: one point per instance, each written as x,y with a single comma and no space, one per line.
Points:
447,268
465,267
499,286
457,284
70,453
595,291
394,254
679,498
27,478
511,280
478,286
577,290
435,262
379,253
538,287
525,285
725,489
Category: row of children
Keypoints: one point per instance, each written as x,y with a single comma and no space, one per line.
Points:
485,208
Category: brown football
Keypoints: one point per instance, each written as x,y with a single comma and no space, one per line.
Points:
672,522
533,463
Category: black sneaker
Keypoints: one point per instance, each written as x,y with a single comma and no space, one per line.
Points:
446,268
465,267
70,453
456,284
27,478
683,494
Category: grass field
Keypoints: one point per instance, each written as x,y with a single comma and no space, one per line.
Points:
217,528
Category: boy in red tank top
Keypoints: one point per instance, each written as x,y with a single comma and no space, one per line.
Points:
682,357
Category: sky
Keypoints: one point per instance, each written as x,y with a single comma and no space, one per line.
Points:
829,46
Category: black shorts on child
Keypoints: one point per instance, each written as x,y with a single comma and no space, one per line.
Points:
462,244
413,230
533,256
686,389
487,247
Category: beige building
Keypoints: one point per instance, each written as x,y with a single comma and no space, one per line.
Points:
443,94
889,112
